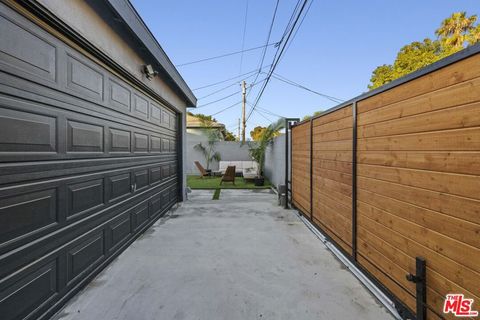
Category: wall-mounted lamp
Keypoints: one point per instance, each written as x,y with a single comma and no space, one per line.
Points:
149,72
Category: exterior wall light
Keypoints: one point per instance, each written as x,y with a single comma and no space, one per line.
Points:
149,72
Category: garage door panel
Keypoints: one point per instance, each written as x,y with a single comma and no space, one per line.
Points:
38,57
26,49
85,255
27,134
118,231
27,214
84,197
71,235
42,170
28,291
30,211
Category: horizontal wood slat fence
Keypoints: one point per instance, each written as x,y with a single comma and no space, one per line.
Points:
395,174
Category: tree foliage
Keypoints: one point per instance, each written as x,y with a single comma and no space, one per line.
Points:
257,149
229,136
454,34
308,117
208,150
202,116
259,131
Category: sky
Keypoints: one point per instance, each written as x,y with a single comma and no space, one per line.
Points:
334,52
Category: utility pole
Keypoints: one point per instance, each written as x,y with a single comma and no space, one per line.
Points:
244,101
238,129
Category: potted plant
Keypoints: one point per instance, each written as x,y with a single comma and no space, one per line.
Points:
208,150
257,149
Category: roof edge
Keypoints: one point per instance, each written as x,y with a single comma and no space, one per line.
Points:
127,12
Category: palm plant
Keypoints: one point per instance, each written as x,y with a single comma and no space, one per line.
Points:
454,30
208,150
257,149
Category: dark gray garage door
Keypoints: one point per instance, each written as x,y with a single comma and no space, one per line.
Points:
87,162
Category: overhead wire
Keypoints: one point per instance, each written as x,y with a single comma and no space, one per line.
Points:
227,96
225,109
267,41
244,33
280,52
218,100
253,72
225,55
295,84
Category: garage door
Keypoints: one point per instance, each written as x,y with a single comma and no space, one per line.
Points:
88,162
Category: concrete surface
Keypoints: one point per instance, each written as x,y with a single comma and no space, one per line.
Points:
240,257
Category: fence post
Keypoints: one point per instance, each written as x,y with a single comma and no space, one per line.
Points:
311,169
354,182
420,280
287,127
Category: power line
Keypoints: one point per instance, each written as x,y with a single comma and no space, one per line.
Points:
263,116
219,90
280,52
300,24
225,55
225,109
279,49
215,101
244,32
270,112
267,111
267,41
225,97
226,80
295,84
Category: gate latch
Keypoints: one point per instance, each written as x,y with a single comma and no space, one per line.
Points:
414,278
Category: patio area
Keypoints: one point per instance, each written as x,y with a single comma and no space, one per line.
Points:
240,257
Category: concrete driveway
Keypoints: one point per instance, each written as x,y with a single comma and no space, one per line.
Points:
240,257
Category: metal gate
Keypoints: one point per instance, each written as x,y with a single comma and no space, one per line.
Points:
87,162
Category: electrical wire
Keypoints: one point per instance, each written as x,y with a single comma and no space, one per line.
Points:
295,84
225,109
219,90
280,52
243,38
279,49
263,116
267,41
225,55
267,111
253,72
215,101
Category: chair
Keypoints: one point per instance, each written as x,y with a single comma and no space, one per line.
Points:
229,175
203,172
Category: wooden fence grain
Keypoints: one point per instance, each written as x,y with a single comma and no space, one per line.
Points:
417,184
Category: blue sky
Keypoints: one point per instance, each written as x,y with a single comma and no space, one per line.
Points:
334,52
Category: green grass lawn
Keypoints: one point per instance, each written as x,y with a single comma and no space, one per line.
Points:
195,182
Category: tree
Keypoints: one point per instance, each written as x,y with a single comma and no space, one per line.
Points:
229,136
202,117
308,117
257,132
257,149
208,151
454,30
454,33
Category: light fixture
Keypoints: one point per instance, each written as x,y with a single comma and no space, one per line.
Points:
149,72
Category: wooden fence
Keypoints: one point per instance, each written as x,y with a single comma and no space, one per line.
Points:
394,174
